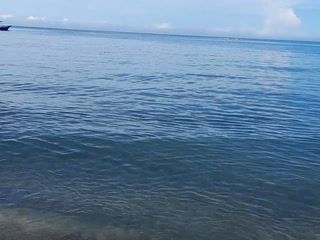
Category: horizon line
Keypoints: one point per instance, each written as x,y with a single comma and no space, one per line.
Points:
167,34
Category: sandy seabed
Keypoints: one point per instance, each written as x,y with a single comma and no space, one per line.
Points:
24,224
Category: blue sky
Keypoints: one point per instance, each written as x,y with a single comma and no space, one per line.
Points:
295,19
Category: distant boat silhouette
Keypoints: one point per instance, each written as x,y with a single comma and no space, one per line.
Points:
4,27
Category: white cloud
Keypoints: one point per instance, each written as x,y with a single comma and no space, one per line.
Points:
65,20
281,21
274,18
35,18
6,16
162,26
278,16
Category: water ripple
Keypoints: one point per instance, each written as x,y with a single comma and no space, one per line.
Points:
158,137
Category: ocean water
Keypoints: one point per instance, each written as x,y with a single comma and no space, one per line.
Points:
137,136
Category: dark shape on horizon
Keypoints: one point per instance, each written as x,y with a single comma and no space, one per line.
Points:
4,27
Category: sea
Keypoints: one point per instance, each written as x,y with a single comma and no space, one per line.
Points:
124,136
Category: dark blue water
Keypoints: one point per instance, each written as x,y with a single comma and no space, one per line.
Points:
137,136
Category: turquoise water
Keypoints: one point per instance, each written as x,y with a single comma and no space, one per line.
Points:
136,136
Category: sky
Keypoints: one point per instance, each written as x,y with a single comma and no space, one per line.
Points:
283,19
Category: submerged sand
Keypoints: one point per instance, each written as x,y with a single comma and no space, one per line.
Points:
24,224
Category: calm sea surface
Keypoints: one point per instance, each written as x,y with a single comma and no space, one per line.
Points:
137,136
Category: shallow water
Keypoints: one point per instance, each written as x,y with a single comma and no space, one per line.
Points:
139,136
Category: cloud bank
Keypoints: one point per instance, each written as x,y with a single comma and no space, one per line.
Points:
162,26
6,16
35,18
